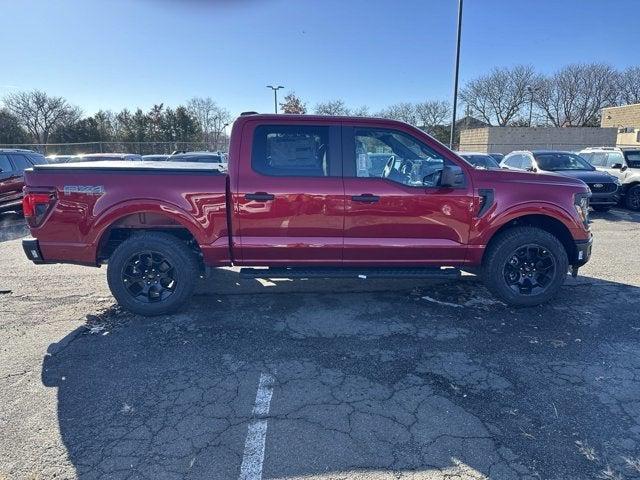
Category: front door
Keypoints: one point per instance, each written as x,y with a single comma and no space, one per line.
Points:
395,210
289,198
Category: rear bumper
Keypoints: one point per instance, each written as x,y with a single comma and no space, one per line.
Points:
583,252
32,250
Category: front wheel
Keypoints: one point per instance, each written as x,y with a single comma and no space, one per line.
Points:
152,273
632,198
525,266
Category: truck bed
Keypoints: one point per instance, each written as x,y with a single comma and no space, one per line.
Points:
127,166
96,200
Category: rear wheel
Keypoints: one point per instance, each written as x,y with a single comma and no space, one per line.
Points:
632,198
152,273
525,266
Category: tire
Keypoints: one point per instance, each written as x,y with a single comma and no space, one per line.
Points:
506,248
632,198
601,208
152,273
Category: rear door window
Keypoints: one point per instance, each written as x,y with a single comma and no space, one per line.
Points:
5,165
633,158
20,162
291,150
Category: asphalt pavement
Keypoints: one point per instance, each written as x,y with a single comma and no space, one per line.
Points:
322,379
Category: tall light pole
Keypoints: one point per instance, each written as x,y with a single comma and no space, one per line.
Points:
455,78
531,90
275,95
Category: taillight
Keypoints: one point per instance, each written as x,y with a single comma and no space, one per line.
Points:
35,206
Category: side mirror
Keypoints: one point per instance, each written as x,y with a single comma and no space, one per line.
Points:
532,169
452,177
617,166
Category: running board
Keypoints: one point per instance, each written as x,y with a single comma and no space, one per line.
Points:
350,272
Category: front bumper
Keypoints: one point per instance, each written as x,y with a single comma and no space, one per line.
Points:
32,250
583,252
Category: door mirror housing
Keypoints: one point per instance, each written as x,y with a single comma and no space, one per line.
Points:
452,176
617,166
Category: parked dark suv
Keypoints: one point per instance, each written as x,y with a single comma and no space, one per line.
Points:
13,162
604,187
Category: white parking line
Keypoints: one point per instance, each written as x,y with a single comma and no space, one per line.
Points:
253,457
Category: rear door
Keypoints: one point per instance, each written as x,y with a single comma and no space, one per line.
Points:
401,215
11,182
289,197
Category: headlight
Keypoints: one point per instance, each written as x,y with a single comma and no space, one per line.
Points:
581,202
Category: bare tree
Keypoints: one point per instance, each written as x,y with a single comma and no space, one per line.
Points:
574,96
332,107
293,104
629,85
41,114
498,97
212,119
362,111
403,111
432,113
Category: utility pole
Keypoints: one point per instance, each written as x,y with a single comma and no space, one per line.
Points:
455,78
275,96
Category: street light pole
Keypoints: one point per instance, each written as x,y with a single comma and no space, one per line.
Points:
531,91
275,96
455,78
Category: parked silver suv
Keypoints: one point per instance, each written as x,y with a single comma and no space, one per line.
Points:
623,163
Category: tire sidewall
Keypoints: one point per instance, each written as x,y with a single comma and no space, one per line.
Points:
635,190
504,249
176,253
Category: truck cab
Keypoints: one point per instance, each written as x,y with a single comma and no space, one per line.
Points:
309,196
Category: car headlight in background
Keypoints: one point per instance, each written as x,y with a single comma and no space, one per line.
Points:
581,202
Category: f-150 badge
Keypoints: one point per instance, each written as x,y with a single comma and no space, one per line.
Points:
94,190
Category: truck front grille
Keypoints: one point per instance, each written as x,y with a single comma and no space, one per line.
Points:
603,187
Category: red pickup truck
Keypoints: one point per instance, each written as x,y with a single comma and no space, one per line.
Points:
309,196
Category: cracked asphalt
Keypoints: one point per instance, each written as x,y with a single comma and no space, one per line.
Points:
372,379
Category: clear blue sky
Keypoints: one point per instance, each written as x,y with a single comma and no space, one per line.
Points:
116,54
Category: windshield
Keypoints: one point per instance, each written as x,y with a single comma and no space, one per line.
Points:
633,158
481,161
552,162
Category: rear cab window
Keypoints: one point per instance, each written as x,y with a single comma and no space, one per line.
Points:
293,150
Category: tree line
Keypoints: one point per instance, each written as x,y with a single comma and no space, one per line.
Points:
517,96
36,117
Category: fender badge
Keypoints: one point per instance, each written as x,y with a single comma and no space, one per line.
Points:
94,190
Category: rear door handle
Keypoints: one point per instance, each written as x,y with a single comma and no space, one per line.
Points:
365,197
260,196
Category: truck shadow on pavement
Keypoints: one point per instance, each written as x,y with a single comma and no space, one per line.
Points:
12,226
423,382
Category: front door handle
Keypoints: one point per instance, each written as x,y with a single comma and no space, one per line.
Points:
365,197
260,196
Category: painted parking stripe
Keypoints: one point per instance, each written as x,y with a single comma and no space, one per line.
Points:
253,457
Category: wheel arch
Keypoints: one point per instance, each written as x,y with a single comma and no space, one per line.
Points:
120,223
544,222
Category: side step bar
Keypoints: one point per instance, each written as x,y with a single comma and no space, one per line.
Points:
350,272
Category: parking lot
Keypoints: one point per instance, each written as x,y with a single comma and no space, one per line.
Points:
358,379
